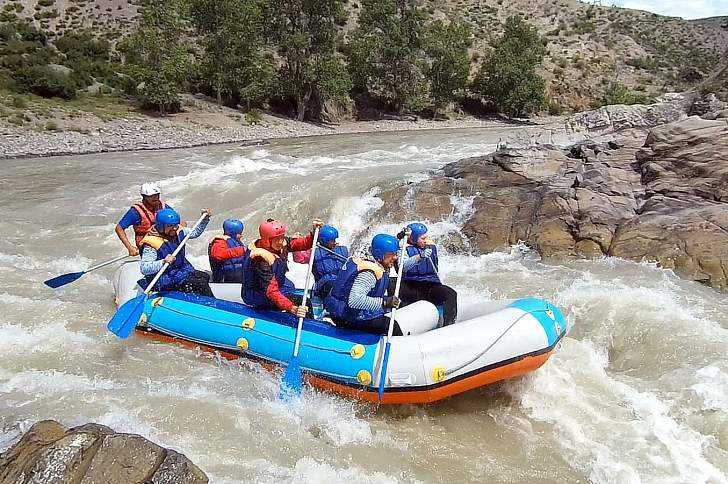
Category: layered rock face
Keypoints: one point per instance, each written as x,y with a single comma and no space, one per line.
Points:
90,454
664,199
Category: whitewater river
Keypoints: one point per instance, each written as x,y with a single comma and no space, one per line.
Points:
637,392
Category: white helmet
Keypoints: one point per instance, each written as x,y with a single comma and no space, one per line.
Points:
149,189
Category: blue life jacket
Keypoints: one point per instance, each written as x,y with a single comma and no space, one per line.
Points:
337,302
228,267
179,270
253,288
326,266
423,270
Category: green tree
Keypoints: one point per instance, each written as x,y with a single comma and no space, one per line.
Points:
235,67
311,71
157,54
386,54
447,48
507,79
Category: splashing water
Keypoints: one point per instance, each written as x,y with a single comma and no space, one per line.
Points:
638,391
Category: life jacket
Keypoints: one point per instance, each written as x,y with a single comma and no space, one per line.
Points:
147,222
229,266
423,270
253,289
337,301
326,265
179,270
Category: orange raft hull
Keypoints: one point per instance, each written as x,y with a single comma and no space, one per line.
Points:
487,376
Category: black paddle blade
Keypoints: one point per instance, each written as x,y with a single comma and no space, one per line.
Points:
62,280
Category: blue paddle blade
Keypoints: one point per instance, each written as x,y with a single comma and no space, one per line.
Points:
292,381
127,317
383,374
62,280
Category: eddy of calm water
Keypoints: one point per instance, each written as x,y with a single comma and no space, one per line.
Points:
637,392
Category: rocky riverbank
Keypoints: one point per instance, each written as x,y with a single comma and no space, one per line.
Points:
656,194
92,453
201,123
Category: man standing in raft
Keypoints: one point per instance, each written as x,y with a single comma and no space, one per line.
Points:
327,261
141,217
265,285
420,279
226,253
157,248
358,297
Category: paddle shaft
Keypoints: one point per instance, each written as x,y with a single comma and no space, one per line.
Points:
104,264
341,257
434,268
390,330
174,254
304,299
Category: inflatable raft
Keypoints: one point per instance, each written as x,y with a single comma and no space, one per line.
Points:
505,340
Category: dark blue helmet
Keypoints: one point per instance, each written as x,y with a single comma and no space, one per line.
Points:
418,230
232,227
327,234
383,243
165,218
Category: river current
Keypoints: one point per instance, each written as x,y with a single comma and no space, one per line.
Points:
637,392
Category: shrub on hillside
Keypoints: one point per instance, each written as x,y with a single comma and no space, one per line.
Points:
47,82
508,80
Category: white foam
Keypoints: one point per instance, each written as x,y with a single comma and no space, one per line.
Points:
47,383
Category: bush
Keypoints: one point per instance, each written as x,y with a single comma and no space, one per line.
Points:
508,80
46,82
619,94
19,102
253,117
51,126
46,3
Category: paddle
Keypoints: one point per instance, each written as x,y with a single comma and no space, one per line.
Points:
292,377
341,257
122,324
388,345
64,279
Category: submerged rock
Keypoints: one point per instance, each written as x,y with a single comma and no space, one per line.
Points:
663,199
89,454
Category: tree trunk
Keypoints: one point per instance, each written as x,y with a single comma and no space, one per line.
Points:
300,107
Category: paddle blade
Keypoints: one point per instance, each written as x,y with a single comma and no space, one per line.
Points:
383,374
62,280
292,381
127,317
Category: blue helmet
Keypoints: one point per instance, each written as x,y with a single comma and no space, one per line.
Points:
383,243
232,227
418,230
327,234
166,217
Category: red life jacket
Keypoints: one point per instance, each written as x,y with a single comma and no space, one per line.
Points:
148,218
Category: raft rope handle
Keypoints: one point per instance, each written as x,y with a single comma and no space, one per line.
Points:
279,338
473,360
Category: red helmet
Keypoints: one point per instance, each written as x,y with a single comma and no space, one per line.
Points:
271,229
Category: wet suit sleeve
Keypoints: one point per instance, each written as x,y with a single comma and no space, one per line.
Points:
221,252
131,217
149,264
364,282
264,273
300,244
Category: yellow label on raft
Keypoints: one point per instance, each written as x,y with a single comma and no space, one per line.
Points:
249,324
364,377
357,351
438,373
242,344
157,302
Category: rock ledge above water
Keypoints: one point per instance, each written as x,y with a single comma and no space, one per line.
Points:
90,454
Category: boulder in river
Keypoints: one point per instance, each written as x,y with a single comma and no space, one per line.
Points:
662,199
92,453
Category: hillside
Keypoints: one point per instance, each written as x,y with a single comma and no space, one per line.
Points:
590,47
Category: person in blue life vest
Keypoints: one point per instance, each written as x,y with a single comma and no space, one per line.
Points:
226,253
420,279
140,217
157,248
265,263
358,297
328,259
